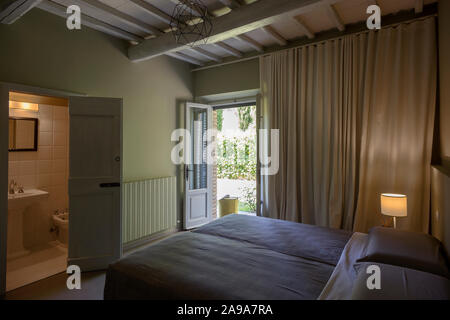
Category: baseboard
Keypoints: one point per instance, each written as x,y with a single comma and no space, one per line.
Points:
126,247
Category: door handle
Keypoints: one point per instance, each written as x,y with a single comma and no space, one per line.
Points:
110,185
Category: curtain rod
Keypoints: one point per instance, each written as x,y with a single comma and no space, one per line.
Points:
392,25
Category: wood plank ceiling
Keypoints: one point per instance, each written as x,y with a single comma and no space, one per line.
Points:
140,20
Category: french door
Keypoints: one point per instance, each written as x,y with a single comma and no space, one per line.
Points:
198,172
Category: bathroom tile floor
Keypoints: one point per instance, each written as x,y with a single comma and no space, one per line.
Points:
42,262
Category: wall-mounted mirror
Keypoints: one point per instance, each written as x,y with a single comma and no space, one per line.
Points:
23,134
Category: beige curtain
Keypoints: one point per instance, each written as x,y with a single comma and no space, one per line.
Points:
346,109
399,101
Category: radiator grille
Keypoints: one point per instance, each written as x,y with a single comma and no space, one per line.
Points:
149,206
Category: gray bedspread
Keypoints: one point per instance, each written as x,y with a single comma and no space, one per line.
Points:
296,239
236,257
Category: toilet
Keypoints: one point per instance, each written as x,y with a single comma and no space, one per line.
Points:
61,222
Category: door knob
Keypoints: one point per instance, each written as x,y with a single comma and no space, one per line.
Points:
117,159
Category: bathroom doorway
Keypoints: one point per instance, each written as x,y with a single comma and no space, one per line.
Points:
38,170
91,187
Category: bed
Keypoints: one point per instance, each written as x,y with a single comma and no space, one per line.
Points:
227,259
252,258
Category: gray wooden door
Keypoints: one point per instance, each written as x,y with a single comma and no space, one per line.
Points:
95,176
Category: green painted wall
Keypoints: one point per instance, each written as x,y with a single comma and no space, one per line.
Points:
227,78
39,50
444,72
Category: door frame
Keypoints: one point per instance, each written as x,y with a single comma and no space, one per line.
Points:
5,88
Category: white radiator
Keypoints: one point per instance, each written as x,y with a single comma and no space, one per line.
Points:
149,206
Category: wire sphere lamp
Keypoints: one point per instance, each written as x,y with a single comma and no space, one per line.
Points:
191,23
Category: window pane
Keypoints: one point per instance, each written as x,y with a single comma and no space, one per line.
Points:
198,170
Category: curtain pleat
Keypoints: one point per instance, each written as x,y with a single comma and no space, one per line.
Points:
355,119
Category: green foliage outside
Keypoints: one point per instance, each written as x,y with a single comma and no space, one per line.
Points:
236,158
245,117
243,206
248,201
219,119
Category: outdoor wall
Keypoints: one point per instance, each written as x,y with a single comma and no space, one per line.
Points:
39,50
234,77
444,71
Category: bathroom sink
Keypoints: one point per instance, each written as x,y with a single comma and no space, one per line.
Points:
23,200
17,205
28,193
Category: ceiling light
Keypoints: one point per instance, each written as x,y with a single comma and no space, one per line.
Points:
24,106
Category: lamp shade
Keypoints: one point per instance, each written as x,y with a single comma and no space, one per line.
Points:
394,205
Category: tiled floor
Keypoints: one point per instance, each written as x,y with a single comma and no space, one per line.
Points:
42,262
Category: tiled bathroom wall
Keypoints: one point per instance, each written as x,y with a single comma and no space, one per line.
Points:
45,169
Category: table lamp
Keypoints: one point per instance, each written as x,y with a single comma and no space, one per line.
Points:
394,205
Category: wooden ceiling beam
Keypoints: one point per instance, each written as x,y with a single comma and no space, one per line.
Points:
275,35
154,11
206,54
229,49
247,18
119,15
302,26
188,4
185,58
14,10
232,4
251,42
389,20
334,16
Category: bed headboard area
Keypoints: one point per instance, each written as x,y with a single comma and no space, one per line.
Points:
440,205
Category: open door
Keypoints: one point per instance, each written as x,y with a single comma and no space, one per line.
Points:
95,176
198,173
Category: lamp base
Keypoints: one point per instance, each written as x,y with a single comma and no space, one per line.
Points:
395,222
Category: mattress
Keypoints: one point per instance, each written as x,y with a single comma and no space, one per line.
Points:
235,257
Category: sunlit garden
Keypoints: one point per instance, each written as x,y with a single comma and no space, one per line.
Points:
236,156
